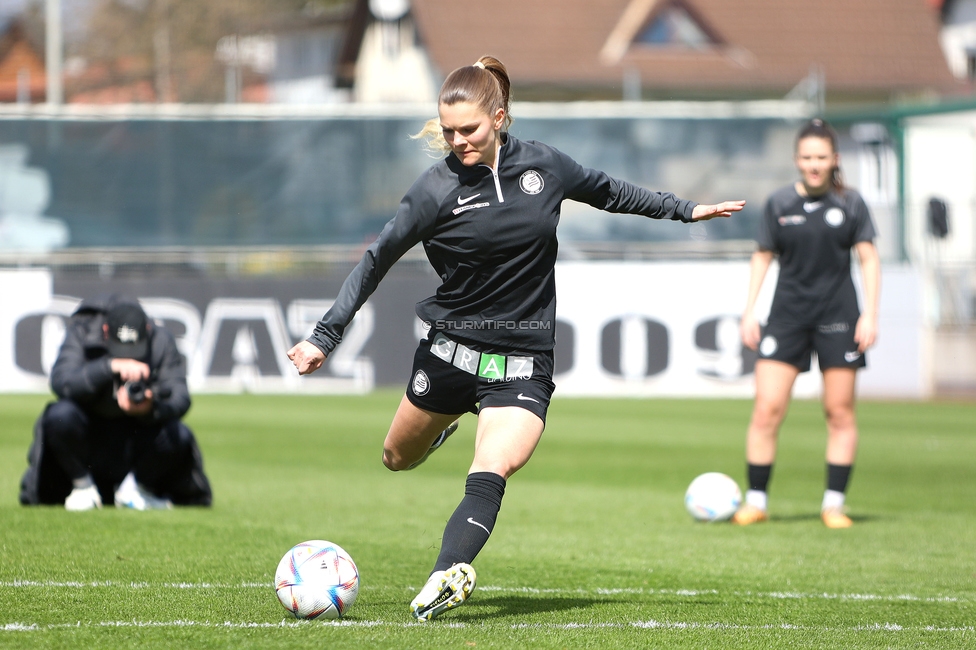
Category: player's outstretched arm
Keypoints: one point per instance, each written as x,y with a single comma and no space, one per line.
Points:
703,212
306,357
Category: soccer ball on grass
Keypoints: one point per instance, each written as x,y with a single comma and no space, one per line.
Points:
317,579
713,497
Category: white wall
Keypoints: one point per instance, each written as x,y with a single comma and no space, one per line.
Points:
683,295
625,299
940,161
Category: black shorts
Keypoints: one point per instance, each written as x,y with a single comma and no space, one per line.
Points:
450,377
792,343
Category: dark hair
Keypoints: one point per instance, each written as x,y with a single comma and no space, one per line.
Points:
485,84
818,128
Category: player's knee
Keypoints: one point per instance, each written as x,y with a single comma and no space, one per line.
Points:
839,417
392,461
767,414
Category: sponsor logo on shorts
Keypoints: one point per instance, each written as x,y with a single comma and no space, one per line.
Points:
833,328
851,357
768,346
526,399
531,182
492,366
518,368
834,217
792,220
467,359
443,347
421,383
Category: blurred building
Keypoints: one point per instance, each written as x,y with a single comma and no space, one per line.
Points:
868,51
374,51
22,77
958,37
292,58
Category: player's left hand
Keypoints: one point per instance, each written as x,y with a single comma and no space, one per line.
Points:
703,212
865,332
306,357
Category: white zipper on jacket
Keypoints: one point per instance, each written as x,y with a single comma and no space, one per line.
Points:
498,185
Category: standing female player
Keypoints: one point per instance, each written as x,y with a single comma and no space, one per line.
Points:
487,216
812,226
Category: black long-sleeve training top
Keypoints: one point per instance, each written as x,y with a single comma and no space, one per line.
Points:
491,237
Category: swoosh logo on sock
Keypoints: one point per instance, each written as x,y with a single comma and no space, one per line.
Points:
472,521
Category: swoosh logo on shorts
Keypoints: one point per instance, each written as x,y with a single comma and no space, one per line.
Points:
470,198
527,399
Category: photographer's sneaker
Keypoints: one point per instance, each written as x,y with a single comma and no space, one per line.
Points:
444,590
86,498
440,440
132,495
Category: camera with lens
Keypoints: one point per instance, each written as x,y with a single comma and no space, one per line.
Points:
137,391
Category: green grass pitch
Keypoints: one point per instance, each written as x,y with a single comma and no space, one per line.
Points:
593,547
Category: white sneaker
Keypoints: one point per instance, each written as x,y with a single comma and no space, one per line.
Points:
86,498
440,440
444,590
132,495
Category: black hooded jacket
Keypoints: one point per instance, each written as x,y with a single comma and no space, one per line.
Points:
83,373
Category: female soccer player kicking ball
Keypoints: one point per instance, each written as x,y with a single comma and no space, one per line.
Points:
487,215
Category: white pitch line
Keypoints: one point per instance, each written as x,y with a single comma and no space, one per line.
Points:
691,593
779,595
648,624
133,585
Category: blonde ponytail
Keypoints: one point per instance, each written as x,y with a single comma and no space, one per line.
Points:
433,135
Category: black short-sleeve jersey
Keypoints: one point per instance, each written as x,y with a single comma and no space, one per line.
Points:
491,237
813,237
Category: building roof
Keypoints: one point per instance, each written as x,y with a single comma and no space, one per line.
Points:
751,46
18,56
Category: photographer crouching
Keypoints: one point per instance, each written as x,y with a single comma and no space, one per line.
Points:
115,434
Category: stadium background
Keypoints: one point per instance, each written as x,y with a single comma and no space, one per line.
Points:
232,190
237,221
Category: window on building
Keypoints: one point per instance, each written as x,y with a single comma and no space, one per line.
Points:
674,25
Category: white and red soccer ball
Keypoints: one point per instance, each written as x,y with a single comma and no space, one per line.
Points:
317,579
713,496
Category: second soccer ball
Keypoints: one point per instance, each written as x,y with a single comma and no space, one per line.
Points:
713,496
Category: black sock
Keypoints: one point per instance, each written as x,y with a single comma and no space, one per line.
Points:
838,476
758,476
468,528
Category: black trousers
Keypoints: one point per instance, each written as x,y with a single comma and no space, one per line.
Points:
70,443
